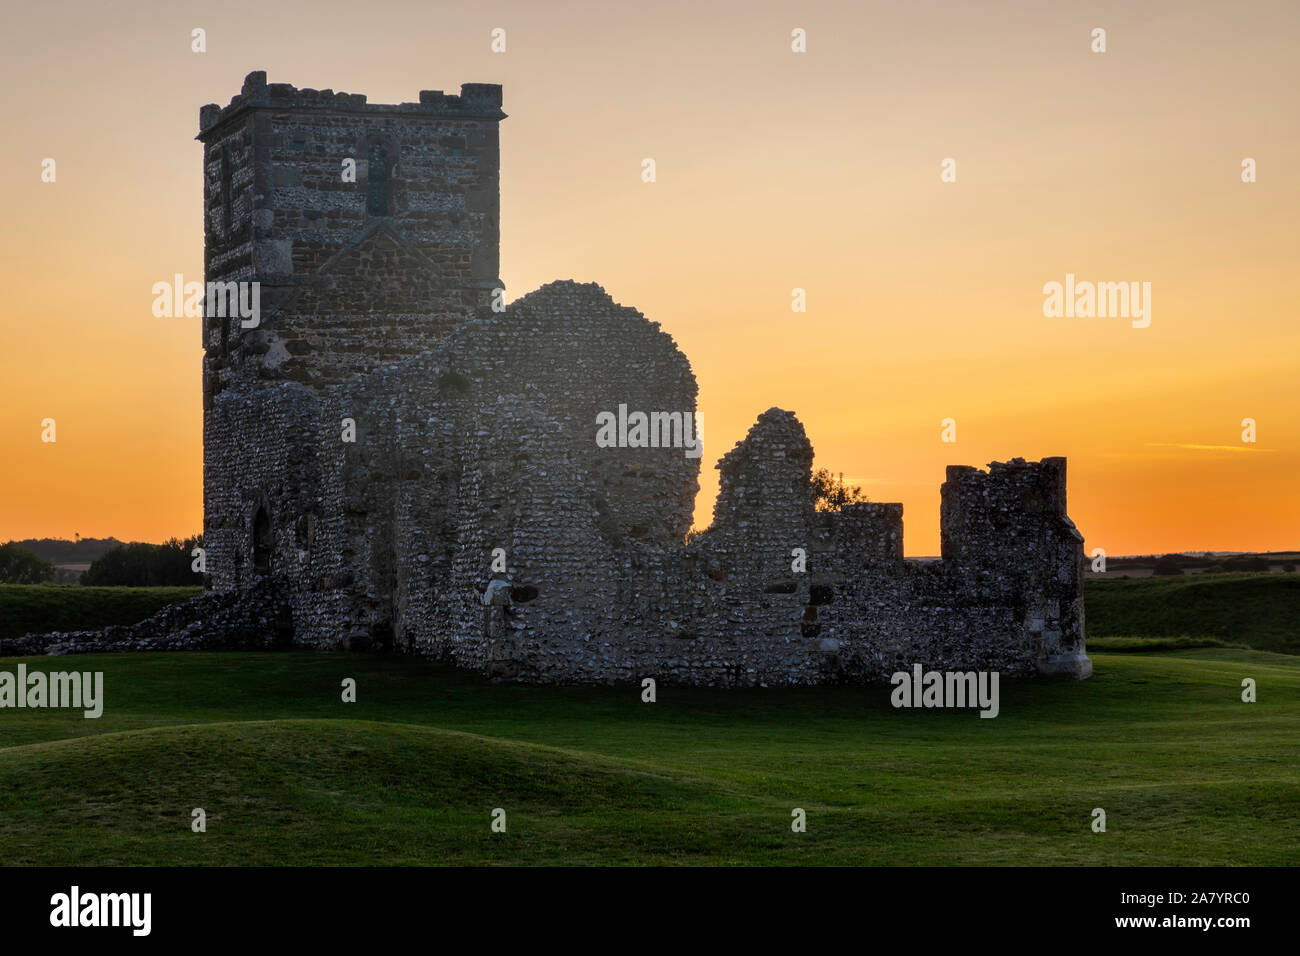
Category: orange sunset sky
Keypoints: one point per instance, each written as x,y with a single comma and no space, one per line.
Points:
776,170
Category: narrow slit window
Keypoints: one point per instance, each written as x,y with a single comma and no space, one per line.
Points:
377,181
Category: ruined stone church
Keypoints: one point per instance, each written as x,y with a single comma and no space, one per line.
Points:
406,463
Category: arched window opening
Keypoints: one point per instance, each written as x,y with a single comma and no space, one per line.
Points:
305,531
261,541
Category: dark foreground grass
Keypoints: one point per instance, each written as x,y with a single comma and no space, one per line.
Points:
38,608
288,774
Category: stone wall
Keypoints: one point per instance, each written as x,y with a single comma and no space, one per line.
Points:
488,441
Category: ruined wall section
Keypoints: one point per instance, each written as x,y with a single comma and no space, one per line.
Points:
923,615
487,441
562,587
857,579
1007,541
858,611
765,501
746,608
578,353
382,540
582,526
445,470
1004,598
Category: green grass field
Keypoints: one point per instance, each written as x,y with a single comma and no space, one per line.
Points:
409,774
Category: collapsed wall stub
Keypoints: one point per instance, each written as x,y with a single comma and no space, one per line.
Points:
384,431
765,500
1007,532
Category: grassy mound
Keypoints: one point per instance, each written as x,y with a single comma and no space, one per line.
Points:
1257,610
324,791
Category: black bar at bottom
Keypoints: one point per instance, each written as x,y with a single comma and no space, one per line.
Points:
438,905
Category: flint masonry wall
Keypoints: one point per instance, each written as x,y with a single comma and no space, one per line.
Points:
260,465
1007,532
488,441
728,610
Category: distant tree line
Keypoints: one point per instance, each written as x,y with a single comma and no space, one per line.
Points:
64,551
115,565
146,565
1179,563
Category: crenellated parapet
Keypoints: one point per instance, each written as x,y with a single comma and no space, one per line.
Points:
475,100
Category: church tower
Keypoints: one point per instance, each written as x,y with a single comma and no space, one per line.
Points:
371,230
358,235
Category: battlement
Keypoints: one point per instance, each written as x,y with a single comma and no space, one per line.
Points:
867,533
1033,485
475,101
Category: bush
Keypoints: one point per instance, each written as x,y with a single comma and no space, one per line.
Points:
831,493
20,566
1246,563
146,565
1167,565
